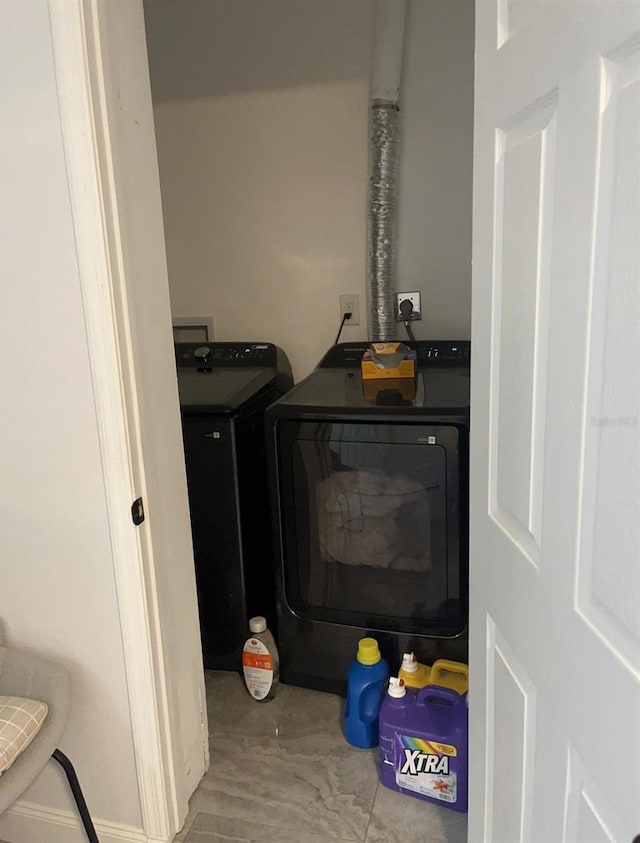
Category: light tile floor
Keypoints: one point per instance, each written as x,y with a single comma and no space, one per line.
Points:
281,772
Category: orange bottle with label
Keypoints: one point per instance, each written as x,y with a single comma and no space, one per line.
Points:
260,661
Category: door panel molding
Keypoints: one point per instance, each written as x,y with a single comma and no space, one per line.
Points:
523,220
586,805
607,597
507,677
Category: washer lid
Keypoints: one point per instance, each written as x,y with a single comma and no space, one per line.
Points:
221,390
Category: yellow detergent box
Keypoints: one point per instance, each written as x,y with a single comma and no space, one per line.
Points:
388,360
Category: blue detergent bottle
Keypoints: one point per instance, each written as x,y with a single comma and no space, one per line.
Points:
366,682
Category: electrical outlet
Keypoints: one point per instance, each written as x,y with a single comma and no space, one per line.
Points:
407,313
350,303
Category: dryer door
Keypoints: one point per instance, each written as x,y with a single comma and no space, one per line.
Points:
374,525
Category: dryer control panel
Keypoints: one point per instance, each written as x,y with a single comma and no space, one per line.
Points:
429,353
453,352
214,354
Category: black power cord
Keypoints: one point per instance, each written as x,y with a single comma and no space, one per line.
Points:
345,317
407,325
406,309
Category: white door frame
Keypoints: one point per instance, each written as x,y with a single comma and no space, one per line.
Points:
79,72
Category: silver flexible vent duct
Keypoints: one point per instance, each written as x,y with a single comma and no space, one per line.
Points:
383,191
383,167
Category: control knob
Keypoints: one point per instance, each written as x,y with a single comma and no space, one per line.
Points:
202,354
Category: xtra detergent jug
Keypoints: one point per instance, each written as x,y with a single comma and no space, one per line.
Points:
366,679
423,744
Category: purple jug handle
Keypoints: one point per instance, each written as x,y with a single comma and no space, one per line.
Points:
440,691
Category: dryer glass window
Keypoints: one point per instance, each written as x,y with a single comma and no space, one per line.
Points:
374,538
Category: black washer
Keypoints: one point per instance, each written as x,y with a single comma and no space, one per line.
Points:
224,389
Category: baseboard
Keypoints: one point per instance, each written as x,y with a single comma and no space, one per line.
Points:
26,822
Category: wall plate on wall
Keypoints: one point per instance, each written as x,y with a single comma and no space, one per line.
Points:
350,303
408,307
192,328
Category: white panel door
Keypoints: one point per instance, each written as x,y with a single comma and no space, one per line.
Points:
555,442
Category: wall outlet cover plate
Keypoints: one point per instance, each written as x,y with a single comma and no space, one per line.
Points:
412,314
350,303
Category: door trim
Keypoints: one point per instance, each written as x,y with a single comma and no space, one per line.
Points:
79,71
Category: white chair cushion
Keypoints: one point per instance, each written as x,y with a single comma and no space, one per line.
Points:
20,722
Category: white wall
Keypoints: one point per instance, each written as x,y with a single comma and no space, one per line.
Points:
436,154
57,592
261,110
261,113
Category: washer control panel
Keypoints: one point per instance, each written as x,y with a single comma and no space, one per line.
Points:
213,354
